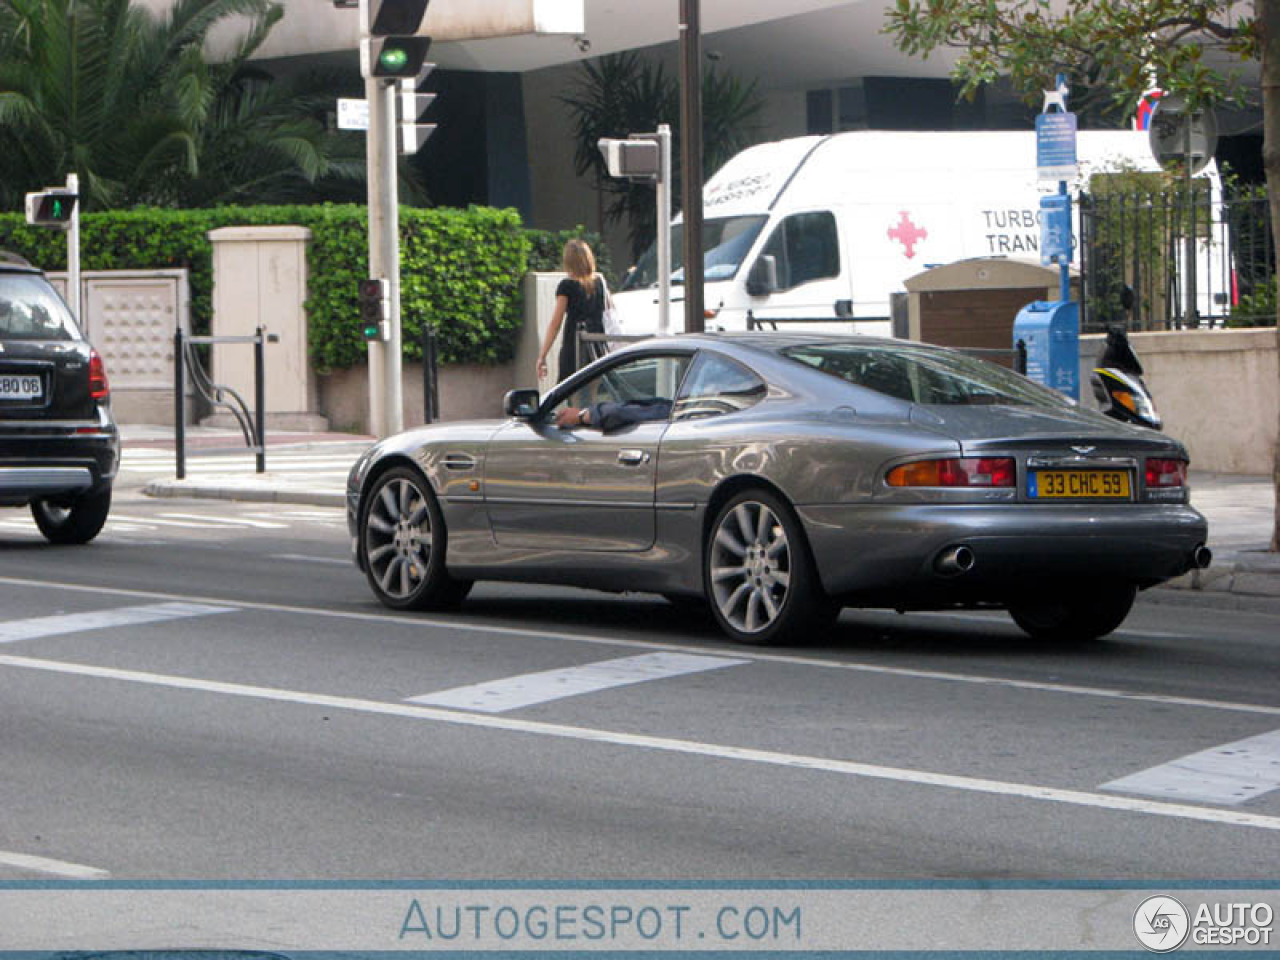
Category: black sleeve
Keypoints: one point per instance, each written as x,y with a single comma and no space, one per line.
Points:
614,416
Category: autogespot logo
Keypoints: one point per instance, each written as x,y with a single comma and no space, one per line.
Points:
1161,923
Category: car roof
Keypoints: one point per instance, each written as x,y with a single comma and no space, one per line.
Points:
12,263
771,341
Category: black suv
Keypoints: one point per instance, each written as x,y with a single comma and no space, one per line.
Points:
59,446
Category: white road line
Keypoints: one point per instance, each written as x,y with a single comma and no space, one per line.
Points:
464,626
229,521
1233,773
512,693
15,630
58,868
847,768
303,558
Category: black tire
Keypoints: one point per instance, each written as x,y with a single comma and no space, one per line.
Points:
72,521
759,579
403,541
1080,613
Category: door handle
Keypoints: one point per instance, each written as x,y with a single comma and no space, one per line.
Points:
633,457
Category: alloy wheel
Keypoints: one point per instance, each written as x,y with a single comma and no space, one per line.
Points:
750,570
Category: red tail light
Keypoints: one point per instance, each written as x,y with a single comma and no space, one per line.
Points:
1166,473
99,388
966,472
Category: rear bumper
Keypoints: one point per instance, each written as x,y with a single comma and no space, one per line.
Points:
46,463
892,552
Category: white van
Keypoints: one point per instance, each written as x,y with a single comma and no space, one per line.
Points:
830,226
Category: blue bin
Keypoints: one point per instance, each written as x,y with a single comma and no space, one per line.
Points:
1050,332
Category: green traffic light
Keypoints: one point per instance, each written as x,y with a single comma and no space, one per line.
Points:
394,59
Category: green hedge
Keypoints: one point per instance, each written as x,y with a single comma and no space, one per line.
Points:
460,270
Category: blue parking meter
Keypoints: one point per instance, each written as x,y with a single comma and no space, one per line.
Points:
1050,332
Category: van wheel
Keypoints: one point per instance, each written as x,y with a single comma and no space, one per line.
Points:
73,521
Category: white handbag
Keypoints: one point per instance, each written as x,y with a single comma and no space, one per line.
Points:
612,322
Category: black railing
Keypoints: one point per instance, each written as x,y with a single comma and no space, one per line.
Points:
1136,269
252,425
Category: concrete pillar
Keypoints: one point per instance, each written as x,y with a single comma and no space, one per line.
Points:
260,278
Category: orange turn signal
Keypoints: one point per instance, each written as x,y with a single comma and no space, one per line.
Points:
957,472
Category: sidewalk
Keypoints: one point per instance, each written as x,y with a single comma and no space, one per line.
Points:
311,468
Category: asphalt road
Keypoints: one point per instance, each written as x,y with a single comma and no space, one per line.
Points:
210,691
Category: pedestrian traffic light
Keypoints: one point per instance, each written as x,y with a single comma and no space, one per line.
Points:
390,47
375,309
51,208
412,106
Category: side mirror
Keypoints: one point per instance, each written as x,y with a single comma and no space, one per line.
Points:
521,404
763,278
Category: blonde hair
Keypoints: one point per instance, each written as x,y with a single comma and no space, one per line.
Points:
579,262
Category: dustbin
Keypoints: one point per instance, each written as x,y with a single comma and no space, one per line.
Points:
1049,330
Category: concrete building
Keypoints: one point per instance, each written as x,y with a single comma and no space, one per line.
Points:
505,136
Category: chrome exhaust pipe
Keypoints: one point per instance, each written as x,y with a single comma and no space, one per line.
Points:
955,560
1201,557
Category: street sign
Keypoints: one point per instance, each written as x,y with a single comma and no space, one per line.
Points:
353,114
1055,229
1176,134
1056,146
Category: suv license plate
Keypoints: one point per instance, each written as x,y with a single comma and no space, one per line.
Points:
20,388
1078,485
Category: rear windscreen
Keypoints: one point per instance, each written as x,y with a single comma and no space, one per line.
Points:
925,376
30,309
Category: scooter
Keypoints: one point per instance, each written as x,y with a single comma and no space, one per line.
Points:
1118,386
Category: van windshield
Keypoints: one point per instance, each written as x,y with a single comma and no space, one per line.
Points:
725,243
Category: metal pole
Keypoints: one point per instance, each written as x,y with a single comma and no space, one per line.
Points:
1189,243
260,397
373,151
430,393
1064,268
691,160
179,406
73,253
664,229
393,402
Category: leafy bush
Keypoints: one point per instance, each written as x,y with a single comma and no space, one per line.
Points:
548,248
1257,309
460,269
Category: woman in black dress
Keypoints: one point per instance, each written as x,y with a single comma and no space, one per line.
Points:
579,298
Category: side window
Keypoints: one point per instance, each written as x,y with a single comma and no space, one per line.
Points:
642,379
806,248
717,385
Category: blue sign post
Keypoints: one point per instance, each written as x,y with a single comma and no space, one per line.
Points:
1049,332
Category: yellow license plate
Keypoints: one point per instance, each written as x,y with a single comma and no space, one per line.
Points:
1078,485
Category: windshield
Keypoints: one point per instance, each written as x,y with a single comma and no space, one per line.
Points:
926,376
30,309
725,243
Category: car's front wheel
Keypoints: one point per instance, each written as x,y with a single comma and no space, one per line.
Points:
757,572
72,521
1084,612
404,539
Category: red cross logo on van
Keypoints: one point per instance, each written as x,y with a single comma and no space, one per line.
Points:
907,233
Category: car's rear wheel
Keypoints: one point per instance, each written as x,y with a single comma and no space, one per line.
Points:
1084,612
72,521
757,572
404,540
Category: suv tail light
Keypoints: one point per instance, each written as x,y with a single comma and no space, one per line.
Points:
1166,473
99,388
958,472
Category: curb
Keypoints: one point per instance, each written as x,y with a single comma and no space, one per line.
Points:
1251,573
249,493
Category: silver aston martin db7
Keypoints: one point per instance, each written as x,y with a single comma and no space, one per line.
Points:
776,478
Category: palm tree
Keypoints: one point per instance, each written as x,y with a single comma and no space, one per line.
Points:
620,94
128,101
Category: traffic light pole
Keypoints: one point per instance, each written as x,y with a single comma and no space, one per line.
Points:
386,405
73,254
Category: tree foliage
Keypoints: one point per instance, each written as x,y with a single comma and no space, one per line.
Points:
1111,50
129,100
620,94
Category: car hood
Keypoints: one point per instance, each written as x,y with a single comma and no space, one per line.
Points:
984,428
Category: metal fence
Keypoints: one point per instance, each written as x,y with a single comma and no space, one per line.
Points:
1183,259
